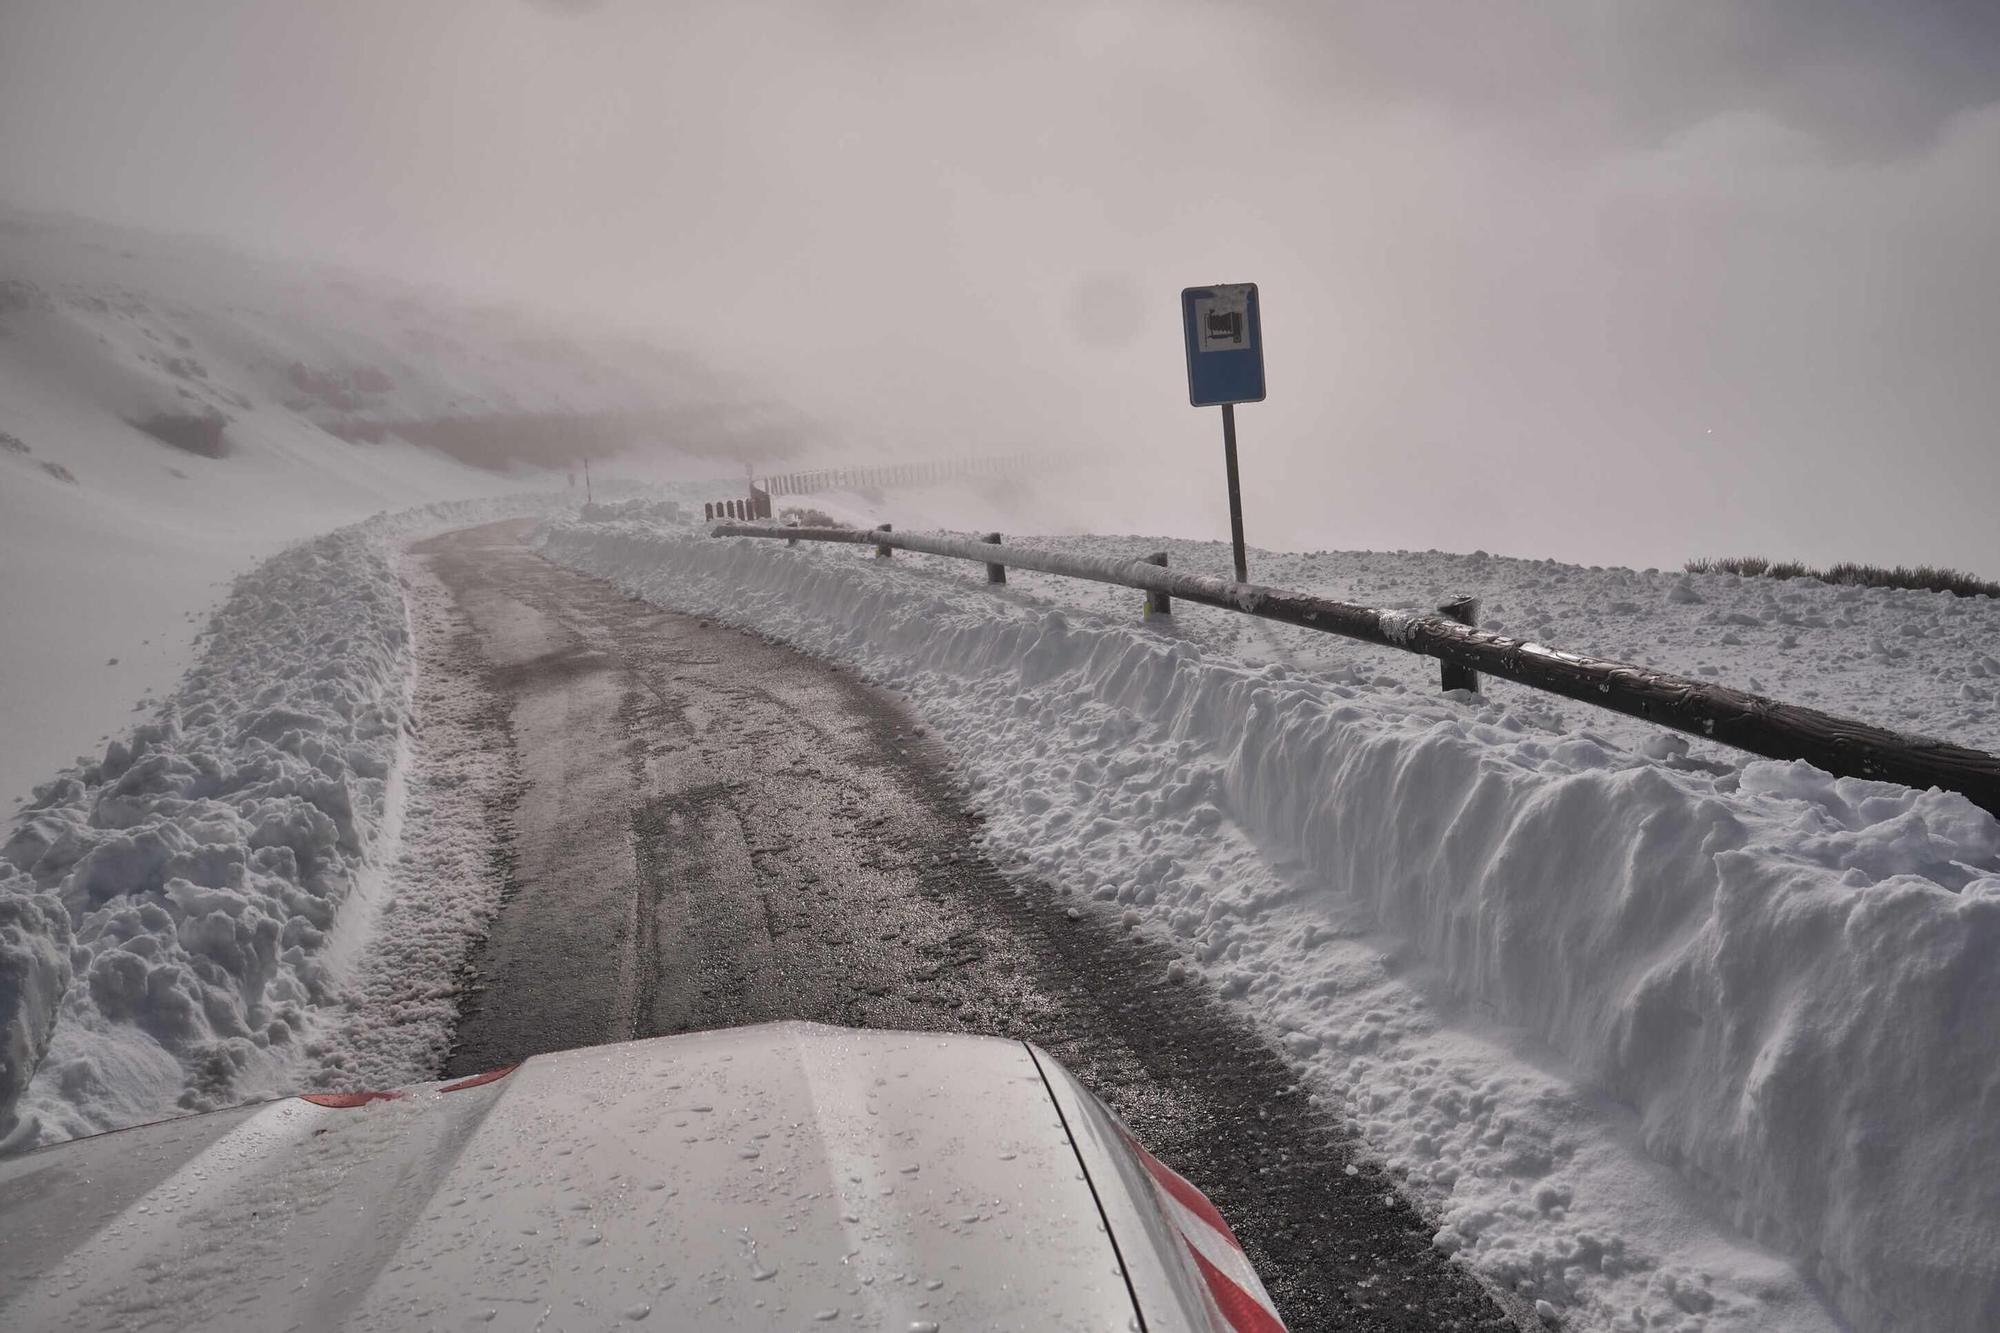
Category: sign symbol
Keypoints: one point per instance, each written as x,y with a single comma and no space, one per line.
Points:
1225,346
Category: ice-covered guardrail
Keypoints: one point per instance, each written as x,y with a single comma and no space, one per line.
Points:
1841,746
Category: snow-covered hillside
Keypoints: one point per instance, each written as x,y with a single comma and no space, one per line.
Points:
1646,1027
172,411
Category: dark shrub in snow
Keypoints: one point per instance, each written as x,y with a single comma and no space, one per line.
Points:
194,432
1923,578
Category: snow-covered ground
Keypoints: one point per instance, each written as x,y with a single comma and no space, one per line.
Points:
1665,1038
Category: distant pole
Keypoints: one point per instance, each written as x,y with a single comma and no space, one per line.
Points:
586,481
1235,492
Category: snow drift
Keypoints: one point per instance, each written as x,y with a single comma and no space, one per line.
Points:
200,864
1792,981
168,912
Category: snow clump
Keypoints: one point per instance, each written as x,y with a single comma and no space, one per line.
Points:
173,898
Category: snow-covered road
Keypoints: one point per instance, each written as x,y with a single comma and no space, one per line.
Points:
1663,1043
1658,1037
712,829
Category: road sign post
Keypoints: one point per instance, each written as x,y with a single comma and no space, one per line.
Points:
1235,492
1224,330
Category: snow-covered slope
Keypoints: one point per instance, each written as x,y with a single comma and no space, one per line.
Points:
1646,1034
172,411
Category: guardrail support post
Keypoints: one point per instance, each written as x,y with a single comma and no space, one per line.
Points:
1158,603
882,552
995,573
1465,610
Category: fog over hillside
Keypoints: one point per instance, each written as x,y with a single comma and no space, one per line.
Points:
1622,283
173,409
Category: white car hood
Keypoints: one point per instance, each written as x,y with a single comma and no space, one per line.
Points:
782,1177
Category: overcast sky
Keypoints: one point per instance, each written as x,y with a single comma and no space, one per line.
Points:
1611,282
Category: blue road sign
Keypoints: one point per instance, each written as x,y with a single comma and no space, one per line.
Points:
1225,344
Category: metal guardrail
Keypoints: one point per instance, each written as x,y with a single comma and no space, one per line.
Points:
1841,746
898,474
757,504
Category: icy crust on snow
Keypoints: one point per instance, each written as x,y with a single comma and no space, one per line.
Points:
179,922
1477,932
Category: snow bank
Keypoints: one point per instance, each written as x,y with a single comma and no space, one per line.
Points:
168,911
34,971
201,863
1475,928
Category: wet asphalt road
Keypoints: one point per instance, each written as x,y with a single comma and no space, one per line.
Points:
714,830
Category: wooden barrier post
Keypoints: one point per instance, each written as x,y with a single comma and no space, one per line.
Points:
882,552
1158,603
995,573
1465,610
791,523
708,511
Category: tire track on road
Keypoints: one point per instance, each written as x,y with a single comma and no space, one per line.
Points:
792,845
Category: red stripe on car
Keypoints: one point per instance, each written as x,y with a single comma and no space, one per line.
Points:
1183,1190
1245,1313
347,1101
481,1080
